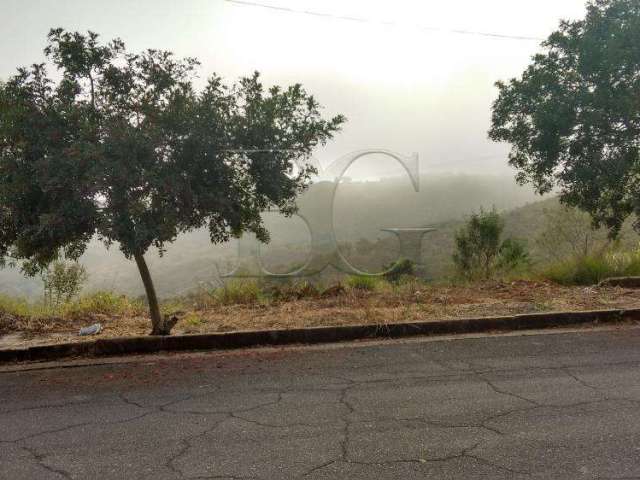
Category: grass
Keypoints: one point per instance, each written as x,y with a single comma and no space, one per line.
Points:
102,303
363,282
238,292
19,314
234,292
17,306
591,270
249,305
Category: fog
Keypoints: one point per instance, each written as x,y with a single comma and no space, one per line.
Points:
399,72
402,86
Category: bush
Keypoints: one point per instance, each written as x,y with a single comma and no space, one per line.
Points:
63,282
192,321
238,292
478,251
362,282
478,244
512,255
396,271
590,270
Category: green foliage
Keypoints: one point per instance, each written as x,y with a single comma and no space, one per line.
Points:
478,250
123,146
592,269
238,292
512,255
572,117
62,282
192,322
569,232
362,282
16,306
102,303
398,270
97,303
478,243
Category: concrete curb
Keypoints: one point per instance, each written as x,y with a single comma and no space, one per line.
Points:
234,340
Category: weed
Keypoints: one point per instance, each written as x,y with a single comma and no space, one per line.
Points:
192,320
363,282
239,292
103,303
590,270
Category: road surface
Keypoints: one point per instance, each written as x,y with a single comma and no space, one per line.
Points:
549,406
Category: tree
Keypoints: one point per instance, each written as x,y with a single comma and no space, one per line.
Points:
478,243
568,232
478,250
124,147
573,118
62,281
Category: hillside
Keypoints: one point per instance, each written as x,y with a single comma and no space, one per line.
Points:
361,210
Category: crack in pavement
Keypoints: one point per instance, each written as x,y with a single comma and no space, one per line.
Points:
186,446
40,460
500,417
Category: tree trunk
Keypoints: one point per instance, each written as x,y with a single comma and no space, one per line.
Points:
157,322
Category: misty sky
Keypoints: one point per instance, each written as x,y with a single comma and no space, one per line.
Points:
402,87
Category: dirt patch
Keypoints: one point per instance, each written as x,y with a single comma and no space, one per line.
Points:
413,302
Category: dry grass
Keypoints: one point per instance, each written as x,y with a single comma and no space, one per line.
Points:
412,301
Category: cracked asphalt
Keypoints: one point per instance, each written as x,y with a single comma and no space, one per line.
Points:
548,406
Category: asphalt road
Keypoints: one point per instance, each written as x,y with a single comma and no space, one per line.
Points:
560,406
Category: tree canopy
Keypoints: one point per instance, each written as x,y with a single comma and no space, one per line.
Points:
125,147
573,117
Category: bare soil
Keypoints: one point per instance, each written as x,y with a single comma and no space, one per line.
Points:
413,302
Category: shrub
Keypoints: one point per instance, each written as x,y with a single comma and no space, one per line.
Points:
362,282
238,292
512,255
192,320
478,251
396,271
577,271
592,269
63,282
478,244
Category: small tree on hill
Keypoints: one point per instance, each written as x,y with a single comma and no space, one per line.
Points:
478,250
124,146
62,282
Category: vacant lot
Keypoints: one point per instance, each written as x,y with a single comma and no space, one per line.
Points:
413,301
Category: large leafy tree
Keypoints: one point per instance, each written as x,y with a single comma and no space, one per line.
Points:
573,117
123,146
